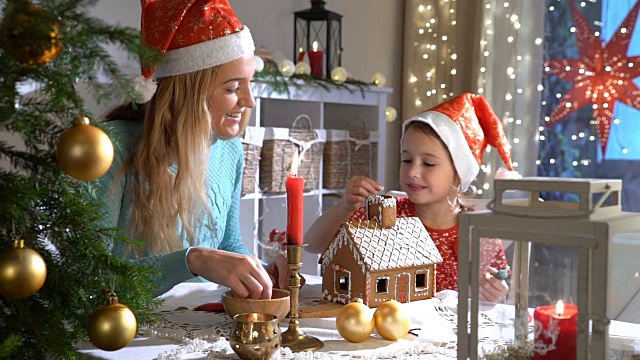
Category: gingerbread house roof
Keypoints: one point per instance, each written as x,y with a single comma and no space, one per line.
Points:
407,244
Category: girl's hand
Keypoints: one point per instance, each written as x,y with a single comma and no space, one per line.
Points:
492,289
244,274
358,189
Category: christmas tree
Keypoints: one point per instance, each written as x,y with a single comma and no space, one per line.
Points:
51,287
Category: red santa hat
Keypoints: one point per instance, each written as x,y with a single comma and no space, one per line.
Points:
467,119
191,35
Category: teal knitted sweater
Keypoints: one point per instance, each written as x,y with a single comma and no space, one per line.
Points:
224,183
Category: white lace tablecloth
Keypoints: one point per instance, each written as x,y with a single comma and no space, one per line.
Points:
435,318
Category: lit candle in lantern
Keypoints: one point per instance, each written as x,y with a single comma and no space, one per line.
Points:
316,59
555,331
295,203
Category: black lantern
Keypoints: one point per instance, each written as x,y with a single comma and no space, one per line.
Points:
318,32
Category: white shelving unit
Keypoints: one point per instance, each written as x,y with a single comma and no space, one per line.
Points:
333,109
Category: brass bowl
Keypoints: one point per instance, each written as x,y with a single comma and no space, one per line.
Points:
255,336
278,305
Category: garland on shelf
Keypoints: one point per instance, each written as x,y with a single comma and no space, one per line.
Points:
271,76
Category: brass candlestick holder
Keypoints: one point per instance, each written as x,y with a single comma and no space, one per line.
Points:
294,338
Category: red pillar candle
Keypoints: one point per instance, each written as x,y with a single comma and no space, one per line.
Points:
555,332
295,204
316,59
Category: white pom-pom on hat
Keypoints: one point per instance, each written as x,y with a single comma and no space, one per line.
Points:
145,87
504,174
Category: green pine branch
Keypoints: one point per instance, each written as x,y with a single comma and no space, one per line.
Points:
56,215
271,76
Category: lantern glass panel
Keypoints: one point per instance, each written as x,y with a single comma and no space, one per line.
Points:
542,285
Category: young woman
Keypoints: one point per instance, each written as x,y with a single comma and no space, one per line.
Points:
176,180
439,161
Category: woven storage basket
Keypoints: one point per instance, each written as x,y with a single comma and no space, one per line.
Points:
359,149
252,144
278,148
373,139
335,164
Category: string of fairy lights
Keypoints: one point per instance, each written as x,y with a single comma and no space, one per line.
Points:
435,68
431,78
505,44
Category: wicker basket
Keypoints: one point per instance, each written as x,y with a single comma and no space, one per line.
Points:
252,143
373,138
349,153
335,163
278,148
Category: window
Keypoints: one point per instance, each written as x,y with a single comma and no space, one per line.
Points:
342,282
422,280
382,285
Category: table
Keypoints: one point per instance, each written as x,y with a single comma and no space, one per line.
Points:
435,317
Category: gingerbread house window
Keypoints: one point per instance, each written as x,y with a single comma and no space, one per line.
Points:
382,285
343,281
422,280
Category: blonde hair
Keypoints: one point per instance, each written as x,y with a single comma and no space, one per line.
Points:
169,165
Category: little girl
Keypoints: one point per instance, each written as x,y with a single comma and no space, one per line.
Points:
441,154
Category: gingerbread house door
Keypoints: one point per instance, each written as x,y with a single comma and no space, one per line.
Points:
402,287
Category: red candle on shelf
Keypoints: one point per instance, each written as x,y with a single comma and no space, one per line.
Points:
316,59
295,204
555,332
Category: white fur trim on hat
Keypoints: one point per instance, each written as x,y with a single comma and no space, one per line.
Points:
463,160
206,54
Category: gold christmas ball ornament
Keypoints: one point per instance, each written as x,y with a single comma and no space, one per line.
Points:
22,271
112,326
30,34
355,322
391,322
84,151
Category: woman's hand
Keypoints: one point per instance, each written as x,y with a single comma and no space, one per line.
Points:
492,289
244,274
279,273
358,189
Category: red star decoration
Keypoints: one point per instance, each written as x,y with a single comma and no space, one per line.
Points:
601,76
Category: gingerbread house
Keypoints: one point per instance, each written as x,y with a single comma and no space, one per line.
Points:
380,259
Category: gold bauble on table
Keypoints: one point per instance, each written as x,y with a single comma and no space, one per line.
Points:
22,271
112,326
84,151
30,34
391,322
355,322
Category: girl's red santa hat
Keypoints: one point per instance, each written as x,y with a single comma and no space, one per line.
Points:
190,35
467,124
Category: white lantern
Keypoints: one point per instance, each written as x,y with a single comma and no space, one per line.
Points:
585,230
